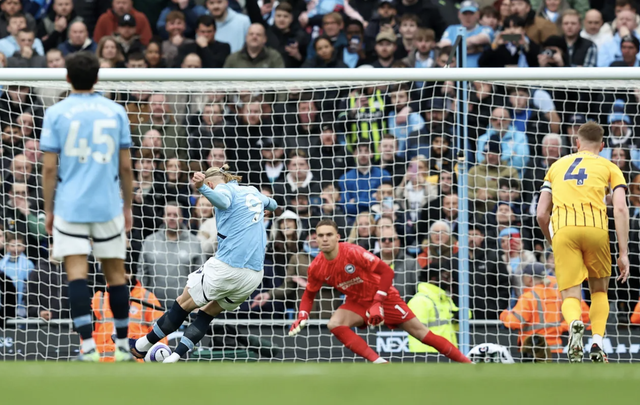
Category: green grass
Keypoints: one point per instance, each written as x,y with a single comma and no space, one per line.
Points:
41,383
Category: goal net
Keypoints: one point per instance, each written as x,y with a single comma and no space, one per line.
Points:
386,160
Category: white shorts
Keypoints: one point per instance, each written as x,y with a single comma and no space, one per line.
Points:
106,238
217,281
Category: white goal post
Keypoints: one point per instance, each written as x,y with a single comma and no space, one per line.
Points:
300,115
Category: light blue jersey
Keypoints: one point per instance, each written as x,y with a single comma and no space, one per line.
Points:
242,237
474,54
87,131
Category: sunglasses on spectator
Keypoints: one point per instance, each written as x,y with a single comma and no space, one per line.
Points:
387,240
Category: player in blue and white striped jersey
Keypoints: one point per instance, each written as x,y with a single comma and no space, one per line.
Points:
228,279
86,140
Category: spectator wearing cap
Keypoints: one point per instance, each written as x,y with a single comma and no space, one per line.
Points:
212,53
359,184
109,22
621,134
478,37
386,20
514,144
489,277
537,28
78,40
554,53
629,48
436,124
611,51
593,28
52,28
231,26
189,9
483,177
572,125
332,27
514,256
520,53
255,53
328,157
538,310
581,51
385,49
127,37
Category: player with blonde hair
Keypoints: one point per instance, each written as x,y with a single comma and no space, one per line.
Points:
572,206
226,280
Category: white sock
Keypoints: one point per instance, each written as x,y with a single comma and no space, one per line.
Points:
123,343
173,358
597,339
88,345
143,345
380,360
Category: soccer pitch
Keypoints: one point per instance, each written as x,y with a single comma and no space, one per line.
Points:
43,383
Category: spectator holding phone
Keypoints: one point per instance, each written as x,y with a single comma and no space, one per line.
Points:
354,53
511,47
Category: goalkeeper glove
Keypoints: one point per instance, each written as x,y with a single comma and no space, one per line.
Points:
297,326
375,314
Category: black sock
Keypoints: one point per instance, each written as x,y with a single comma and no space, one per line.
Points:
80,303
169,322
119,302
194,333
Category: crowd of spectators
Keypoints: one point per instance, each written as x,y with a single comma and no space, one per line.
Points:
382,161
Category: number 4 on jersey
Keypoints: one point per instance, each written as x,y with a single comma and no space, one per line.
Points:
580,176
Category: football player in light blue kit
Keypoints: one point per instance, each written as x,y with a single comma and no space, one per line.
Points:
87,168
228,279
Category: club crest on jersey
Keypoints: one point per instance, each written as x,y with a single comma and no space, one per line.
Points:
350,268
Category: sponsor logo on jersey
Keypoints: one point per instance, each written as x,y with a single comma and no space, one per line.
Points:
350,268
369,256
350,283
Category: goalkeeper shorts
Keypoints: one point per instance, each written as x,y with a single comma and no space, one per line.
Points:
106,240
217,281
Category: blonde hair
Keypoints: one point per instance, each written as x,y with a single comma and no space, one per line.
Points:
353,234
221,172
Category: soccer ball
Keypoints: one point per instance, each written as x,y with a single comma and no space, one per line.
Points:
157,353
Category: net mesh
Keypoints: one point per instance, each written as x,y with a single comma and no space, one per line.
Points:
381,159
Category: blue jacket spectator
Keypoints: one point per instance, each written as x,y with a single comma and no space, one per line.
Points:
359,185
610,51
17,267
231,26
37,8
191,13
9,45
478,36
514,144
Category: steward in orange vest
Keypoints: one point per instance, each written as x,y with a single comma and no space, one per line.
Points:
141,319
538,310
